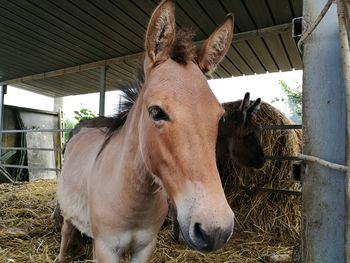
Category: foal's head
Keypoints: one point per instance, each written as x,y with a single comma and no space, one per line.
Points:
178,126
240,135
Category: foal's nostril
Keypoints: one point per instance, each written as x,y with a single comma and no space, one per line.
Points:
198,231
200,236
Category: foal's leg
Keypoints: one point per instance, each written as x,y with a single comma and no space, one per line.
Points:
144,255
103,253
68,236
57,217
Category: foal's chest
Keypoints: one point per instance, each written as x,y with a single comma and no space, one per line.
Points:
132,240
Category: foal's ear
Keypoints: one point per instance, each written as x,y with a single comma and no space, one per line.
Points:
215,47
161,32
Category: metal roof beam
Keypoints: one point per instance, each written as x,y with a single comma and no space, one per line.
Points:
258,33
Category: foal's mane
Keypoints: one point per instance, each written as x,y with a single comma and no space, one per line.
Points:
109,125
182,51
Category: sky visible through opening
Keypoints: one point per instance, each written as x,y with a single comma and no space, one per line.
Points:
264,86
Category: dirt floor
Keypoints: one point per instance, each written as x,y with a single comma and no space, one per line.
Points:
27,233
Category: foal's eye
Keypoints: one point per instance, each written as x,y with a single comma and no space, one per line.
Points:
157,114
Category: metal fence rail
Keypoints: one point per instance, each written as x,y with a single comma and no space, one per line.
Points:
31,149
30,167
282,127
35,130
61,131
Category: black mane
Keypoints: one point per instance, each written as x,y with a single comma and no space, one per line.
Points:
129,94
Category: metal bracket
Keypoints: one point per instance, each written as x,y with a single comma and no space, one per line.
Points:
297,27
298,169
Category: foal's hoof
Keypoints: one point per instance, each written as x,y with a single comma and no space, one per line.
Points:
57,260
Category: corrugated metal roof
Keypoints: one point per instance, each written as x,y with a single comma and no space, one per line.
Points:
57,47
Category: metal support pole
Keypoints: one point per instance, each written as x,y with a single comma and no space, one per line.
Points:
103,73
60,140
324,137
3,91
345,51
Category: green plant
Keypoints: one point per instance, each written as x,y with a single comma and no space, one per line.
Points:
81,115
68,124
294,96
292,101
84,114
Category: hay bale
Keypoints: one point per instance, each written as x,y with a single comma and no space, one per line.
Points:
27,233
266,212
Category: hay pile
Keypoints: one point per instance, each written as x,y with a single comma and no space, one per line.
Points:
27,233
266,212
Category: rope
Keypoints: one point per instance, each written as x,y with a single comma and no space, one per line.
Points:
309,31
327,164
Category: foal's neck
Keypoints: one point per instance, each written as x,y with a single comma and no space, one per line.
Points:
144,182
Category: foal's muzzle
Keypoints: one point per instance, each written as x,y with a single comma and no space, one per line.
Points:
208,240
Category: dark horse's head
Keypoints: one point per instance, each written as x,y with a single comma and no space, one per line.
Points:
239,135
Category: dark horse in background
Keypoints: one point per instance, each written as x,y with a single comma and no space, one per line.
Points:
239,137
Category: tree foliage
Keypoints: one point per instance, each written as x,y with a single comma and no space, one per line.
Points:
81,115
292,100
68,124
84,114
294,96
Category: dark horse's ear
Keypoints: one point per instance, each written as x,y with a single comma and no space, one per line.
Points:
216,46
249,110
245,103
254,108
161,33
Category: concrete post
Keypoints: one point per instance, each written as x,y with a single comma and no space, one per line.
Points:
324,137
58,104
